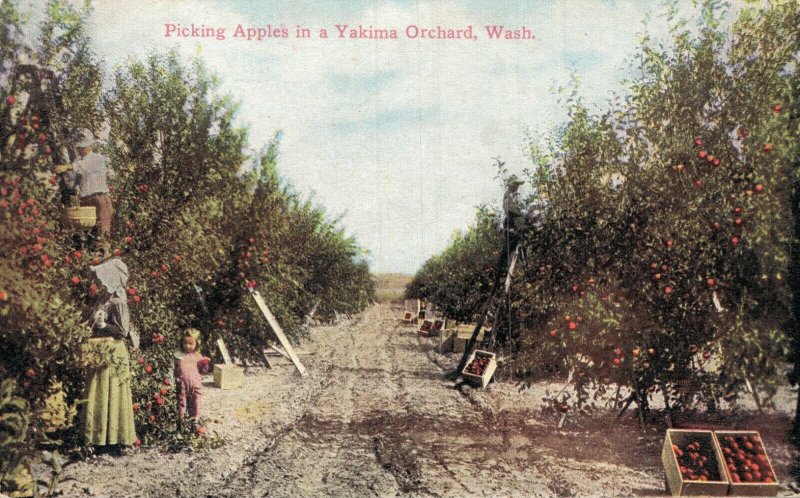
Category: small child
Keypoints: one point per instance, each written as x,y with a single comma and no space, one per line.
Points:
187,376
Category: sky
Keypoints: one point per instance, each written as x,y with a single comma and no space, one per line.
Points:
398,135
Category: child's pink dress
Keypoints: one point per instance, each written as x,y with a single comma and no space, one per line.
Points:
188,384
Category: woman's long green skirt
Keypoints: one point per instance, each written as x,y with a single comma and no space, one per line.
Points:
109,405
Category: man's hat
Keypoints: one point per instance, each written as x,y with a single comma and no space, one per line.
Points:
83,138
513,181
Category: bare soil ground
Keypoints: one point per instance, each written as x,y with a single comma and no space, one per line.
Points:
376,417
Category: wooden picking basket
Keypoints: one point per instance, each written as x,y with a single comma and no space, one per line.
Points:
480,380
678,485
79,217
748,488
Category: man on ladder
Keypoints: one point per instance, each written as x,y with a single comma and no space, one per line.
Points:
515,224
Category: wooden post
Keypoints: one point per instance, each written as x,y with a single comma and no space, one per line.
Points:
310,316
667,408
752,389
226,357
278,331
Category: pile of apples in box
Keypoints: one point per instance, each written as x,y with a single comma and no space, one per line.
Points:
717,463
480,368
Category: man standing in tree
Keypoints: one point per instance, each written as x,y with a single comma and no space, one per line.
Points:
514,221
91,172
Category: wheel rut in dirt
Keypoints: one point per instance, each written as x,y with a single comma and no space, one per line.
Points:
376,417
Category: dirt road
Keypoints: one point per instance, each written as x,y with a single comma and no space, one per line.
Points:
376,417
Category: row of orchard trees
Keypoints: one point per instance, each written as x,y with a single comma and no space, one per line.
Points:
662,263
459,278
194,222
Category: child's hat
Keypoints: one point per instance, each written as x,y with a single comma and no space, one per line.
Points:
83,137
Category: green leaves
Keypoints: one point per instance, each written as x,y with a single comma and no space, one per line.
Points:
688,141
185,215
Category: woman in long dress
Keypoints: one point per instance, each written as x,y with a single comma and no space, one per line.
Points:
109,404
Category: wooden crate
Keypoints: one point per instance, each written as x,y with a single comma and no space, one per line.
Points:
463,334
446,344
480,380
748,488
436,328
407,316
228,376
678,486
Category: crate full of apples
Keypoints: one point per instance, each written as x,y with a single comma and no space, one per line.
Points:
746,464
480,368
693,464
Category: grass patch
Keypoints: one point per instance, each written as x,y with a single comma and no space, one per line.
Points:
390,286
